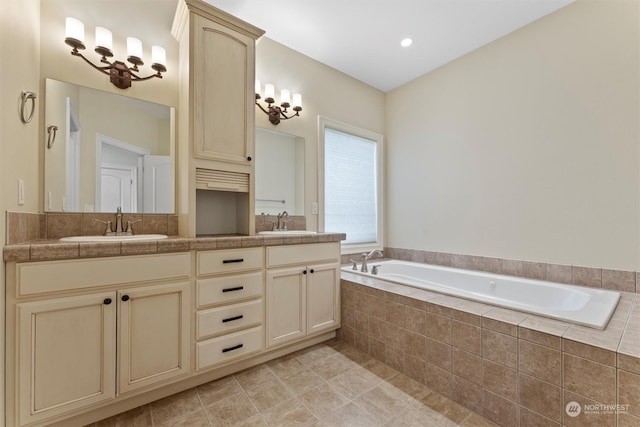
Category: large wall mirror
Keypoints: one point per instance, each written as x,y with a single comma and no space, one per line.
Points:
279,173
109,151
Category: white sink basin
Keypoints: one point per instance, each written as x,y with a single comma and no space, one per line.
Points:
287,232
134,238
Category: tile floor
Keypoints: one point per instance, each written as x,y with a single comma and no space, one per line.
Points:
330,385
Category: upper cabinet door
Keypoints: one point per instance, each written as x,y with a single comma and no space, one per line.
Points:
224,76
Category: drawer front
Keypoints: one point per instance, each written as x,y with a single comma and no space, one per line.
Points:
302,254
229,288
51,276
229,260
228,347
220,320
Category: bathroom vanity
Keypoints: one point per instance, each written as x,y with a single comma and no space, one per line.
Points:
91,337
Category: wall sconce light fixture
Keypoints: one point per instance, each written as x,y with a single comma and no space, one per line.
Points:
276,113
121,74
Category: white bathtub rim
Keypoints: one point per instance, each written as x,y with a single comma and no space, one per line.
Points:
610,297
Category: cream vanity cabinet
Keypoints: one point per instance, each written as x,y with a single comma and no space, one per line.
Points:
302,291
87,331
217,119
229,305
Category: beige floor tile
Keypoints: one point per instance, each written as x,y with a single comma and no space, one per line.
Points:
409,388
303,380
175,407
331,366
314,354
356,355
231,410
441,409
219,389
194,419
412,418
269,394
350,416
354,382
382,403
284,367
254,376
323,400
293,412
475,420
379,369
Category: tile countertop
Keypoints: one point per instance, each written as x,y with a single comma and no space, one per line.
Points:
45,250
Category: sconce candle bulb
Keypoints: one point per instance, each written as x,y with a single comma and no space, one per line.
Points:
120,74
275,113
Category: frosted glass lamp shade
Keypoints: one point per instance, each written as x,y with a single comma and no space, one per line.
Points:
285,98
269,93
158,58
104,41
74,33
297,102
134,51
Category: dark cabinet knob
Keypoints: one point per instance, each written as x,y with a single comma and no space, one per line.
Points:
312,270
125,298
304,272
249,158
107,301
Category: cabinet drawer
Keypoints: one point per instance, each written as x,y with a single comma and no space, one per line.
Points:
52,276
223,261
223,319
302,254
228,347
229,288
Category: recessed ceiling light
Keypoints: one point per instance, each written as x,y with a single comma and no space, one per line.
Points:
406,42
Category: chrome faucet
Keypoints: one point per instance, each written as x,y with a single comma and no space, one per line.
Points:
119,229
281,223
366,256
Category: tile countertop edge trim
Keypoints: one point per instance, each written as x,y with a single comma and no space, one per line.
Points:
47,250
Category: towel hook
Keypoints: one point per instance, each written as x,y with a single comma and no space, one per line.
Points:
25,96
51,130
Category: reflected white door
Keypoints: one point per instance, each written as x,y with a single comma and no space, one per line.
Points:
158,184
118,188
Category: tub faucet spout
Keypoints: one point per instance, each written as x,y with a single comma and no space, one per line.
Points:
366,256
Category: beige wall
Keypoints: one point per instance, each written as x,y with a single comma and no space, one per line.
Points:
527,148
19,50
325,92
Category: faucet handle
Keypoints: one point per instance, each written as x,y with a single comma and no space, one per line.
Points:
129,229
374,269
355,264
108,230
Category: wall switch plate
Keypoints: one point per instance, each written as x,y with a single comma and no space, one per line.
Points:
314,208
20,192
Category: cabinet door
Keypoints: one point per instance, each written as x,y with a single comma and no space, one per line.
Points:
66,354
153,335
224,70
323,297
286,305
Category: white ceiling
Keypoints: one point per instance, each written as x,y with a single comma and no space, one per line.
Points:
362,37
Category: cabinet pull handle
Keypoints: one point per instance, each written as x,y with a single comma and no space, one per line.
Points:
231,261
107,301
235,347
237,288
125,298
231,319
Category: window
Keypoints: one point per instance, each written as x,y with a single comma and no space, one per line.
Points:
351,185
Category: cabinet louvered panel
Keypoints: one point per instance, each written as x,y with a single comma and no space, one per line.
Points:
208,179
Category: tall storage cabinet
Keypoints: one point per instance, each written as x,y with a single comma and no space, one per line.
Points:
216,121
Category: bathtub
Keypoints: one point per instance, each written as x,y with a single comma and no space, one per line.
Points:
575,304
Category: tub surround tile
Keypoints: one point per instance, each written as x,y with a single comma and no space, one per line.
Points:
466,365
529,418
498,409
629,391
624,281
540,397
540,362
626,420
439,328
590,352
586,418
439,354
466,337
629,363
587,276
440,380
543,331
503,320
534,270
559,273
500,348
467,393
500,380
415,320
590,379
511,267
